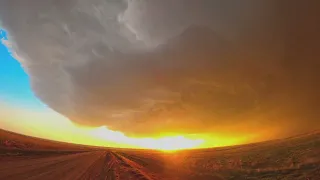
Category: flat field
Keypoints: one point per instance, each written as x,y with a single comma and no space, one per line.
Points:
28,158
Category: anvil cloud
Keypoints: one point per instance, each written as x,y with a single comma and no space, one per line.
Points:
184,66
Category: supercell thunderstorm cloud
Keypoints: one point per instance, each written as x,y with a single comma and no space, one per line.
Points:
186,66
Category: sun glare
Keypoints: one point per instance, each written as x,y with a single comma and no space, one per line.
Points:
170,143
164,143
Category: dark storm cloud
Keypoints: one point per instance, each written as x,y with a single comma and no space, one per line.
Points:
145,67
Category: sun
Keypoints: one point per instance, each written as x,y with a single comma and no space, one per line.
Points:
170,144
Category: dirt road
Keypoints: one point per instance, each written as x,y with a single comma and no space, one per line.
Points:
89,165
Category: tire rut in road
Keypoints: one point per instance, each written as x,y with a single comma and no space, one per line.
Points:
117,167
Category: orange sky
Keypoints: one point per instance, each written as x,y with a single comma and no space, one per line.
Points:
150,76
50,125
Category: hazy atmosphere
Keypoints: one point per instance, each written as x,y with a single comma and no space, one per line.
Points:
159,89
207,72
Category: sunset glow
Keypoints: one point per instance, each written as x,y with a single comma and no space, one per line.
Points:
123,79
165,143
50,125
159,89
